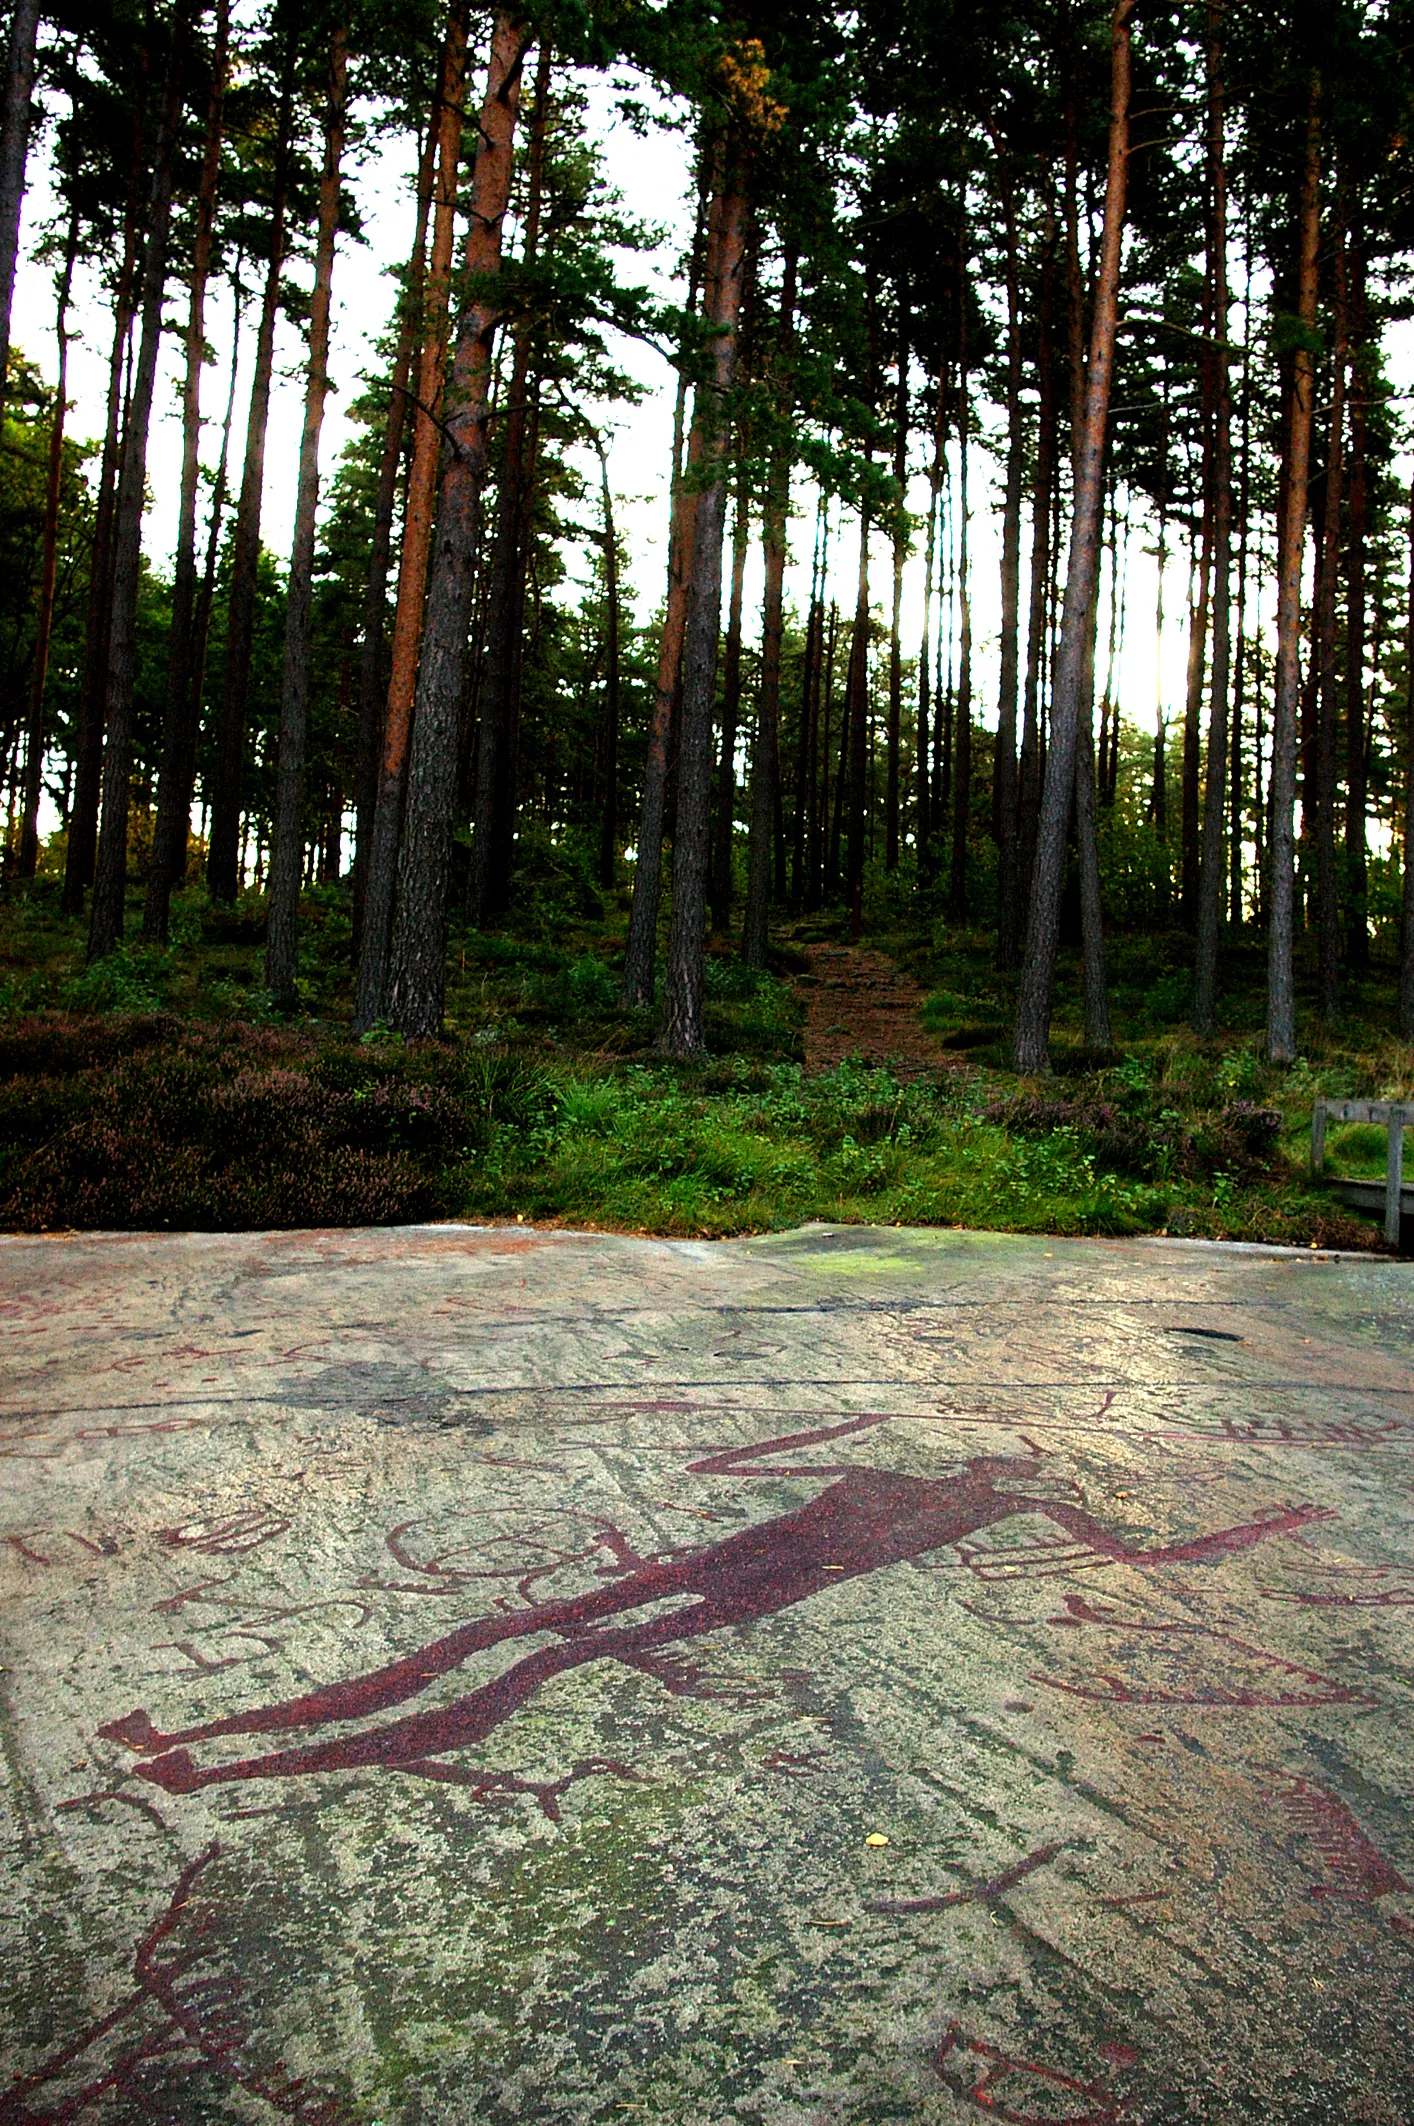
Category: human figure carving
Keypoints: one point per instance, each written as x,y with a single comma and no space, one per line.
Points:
863,1520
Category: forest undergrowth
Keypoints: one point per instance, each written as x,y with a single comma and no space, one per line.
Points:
157,1090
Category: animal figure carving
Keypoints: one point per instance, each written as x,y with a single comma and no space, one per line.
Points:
862,1521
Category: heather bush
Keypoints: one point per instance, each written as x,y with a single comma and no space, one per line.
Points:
214,1128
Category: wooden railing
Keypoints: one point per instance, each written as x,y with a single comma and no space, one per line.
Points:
1395,1115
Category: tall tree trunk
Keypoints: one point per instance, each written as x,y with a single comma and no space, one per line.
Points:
946,697
174,789
1261,793
1098,1037
1192,722
1406,928
1109,704
49,553
609,747
1033,1015
493,818
680,1033
835,825
895,724
111,867
962,781
1235,772
380,878
721,893
1210,866
817,855
1013,914
206,594
1074,272
766,753
417,974
287,825
93,699
641,946
1004,773
372,678
1158,788
1357,933
1281,990
928,707
223,857
809,699
854,746
14,153
1327,709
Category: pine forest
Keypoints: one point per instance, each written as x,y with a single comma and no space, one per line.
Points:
974,784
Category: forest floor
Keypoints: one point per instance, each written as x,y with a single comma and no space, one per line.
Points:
856,1081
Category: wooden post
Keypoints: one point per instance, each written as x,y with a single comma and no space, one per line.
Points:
1394,1174
1318,1137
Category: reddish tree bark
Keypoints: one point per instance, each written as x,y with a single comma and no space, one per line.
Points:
417,968
493,818
380,883
373,680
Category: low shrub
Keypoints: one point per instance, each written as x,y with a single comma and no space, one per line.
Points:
1147,1140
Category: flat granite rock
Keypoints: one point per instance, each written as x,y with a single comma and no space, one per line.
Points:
853,1675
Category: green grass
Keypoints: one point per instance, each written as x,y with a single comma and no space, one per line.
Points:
158,1090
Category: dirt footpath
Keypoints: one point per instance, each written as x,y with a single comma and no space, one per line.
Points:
857,1003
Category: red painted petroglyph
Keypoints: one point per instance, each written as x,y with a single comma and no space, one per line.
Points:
1281,1432
486,1787
238,1532
1047,2084
32,1557
865,1520
207,1667
1113,1689
1361,1872
982,1892
199,2022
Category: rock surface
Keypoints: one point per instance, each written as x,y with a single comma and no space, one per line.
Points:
852,1675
